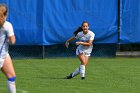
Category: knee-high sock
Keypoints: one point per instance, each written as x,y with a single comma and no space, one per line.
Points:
76,72
82,70
11,86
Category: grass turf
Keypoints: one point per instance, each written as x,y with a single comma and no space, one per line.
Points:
103,75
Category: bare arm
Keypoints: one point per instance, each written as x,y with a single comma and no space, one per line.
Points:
12,40
69,40
85,43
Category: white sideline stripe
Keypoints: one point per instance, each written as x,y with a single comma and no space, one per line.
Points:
22,91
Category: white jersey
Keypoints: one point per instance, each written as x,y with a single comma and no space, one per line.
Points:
85,38
5,31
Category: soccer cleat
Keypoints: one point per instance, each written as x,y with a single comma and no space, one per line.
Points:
82,77
69,77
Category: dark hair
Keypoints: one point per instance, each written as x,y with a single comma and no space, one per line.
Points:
85,22
79,29
4,9
3,13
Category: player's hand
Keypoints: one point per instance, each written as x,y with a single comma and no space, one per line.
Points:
67,44
78,43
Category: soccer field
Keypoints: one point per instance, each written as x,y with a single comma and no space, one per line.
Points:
103,75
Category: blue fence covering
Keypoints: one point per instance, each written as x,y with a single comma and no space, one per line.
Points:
130,21
48,22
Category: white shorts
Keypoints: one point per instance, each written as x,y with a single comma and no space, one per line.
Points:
1,62
80,51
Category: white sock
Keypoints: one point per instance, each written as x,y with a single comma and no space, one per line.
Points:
76,72
11,87
82,70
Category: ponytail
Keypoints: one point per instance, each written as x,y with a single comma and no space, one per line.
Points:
79,29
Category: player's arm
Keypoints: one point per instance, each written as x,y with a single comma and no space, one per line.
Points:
69,40
12,39
89,43
10,34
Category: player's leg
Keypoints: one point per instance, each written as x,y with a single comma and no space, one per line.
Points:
87,59
83,61
76,72
9,72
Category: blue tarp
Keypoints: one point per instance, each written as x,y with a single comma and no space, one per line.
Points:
48,22
130,21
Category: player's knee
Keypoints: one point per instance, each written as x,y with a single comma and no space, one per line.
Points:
84,63
12,79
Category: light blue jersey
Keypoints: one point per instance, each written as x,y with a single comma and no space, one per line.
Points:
5,31
85,38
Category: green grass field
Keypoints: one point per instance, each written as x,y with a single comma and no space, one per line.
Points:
103,75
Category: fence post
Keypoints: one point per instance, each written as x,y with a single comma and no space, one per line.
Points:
43,51
119,24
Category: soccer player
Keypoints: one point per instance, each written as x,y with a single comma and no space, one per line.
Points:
84,48
6,37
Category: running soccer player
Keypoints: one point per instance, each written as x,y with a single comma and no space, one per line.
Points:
6,37
84,48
